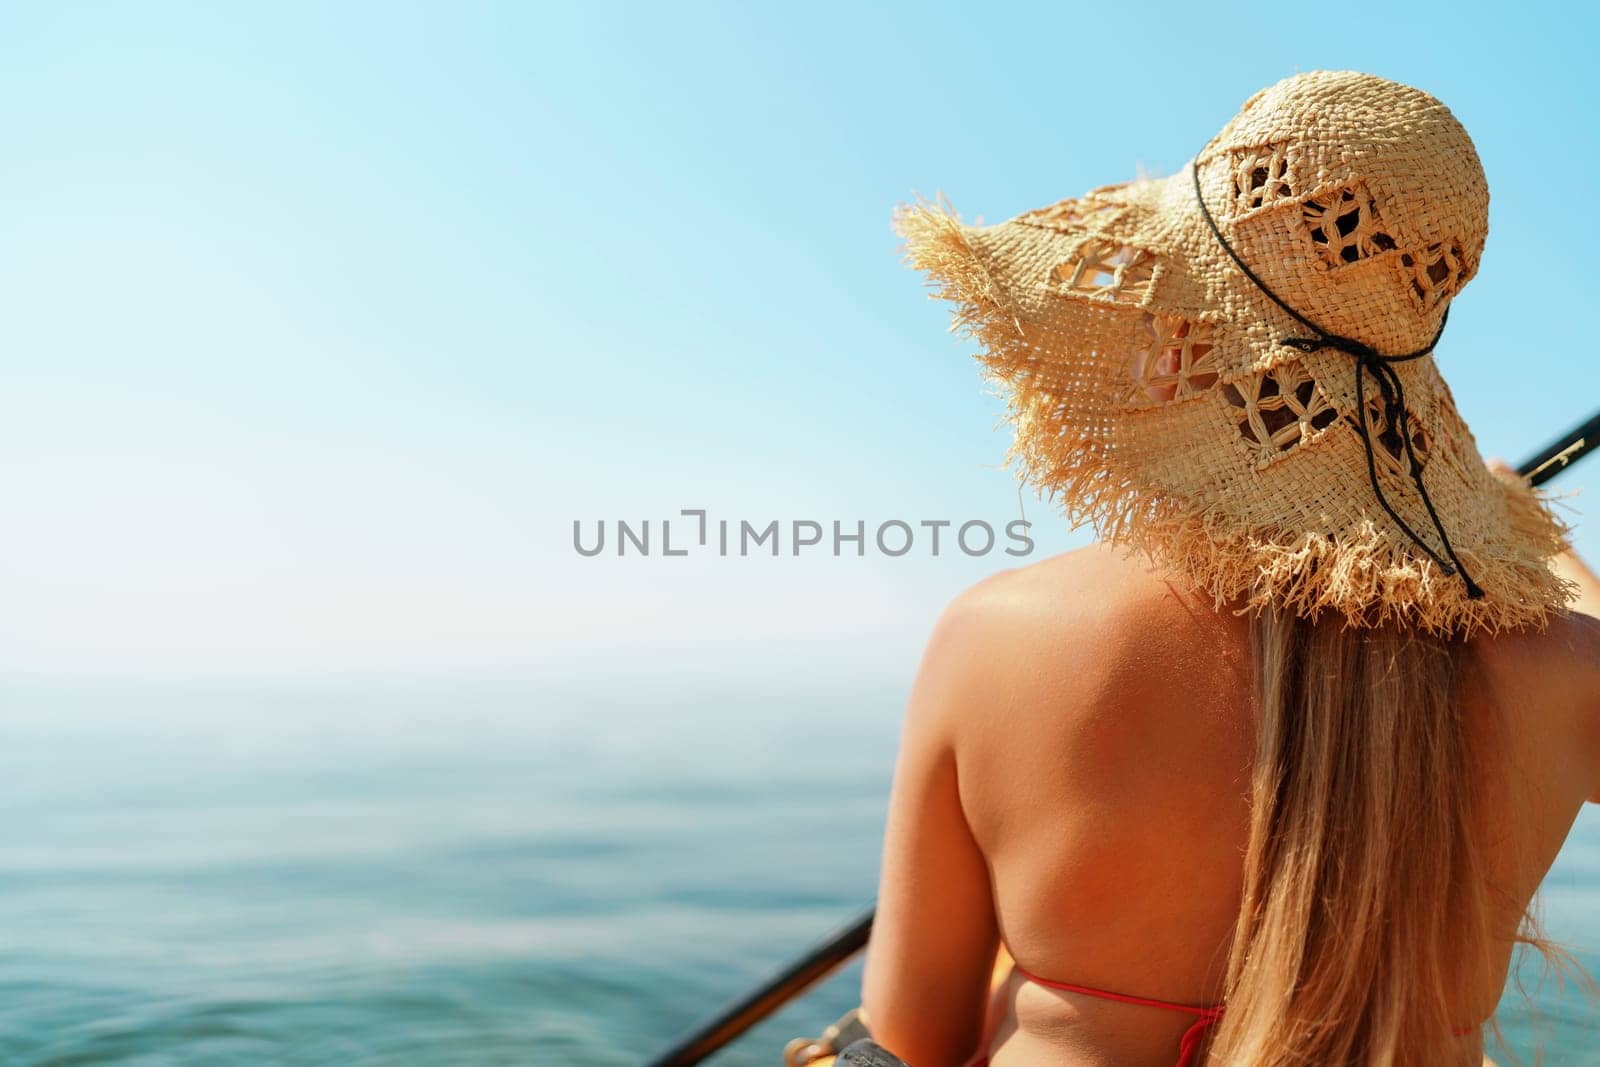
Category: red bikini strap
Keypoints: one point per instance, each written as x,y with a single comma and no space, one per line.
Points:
1188,1048
1105,994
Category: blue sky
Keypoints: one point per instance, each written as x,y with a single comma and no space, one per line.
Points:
323,322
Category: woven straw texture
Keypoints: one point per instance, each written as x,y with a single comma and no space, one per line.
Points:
1151,395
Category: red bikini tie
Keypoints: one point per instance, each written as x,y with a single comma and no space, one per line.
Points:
1188,1048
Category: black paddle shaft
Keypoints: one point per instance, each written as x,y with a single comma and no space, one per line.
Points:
1562,452
800,975
777,991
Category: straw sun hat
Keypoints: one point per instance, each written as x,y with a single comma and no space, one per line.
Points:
1232,368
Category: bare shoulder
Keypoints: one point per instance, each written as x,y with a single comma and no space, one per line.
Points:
1096,595
1562,659
1580,638
1098,618
1548,682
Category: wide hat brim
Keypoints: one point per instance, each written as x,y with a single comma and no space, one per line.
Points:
1151,395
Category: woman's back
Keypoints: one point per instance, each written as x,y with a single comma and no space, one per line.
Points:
1102,727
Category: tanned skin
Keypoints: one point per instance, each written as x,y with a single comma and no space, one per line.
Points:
1072,782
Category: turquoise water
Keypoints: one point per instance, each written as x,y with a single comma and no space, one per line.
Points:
466,875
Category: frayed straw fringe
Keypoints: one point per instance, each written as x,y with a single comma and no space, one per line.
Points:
1360,577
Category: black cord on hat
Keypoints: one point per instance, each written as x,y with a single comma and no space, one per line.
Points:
1368,361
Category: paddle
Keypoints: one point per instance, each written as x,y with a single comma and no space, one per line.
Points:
1562,453
823,959
781,988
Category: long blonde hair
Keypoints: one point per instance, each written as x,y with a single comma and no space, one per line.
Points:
1367,918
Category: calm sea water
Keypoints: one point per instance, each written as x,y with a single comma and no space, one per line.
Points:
458,875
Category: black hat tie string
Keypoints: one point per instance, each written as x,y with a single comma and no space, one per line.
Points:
1368,360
